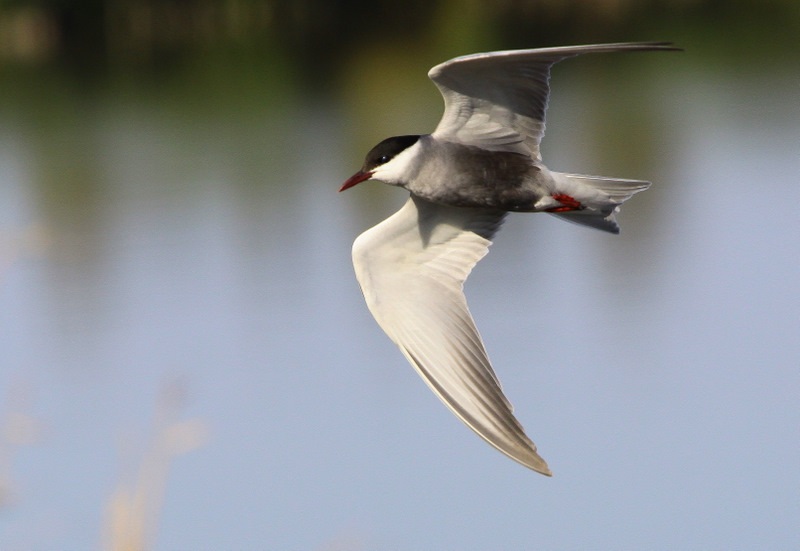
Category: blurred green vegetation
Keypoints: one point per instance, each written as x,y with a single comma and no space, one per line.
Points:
92,39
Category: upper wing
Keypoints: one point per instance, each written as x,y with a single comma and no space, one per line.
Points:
497,100
411,268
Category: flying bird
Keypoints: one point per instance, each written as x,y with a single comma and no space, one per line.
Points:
481,162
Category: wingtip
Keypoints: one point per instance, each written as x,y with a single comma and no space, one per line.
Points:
637,46
665,45
539,465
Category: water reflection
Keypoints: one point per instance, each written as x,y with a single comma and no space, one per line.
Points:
194,228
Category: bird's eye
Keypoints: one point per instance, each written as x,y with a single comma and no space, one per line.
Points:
383,159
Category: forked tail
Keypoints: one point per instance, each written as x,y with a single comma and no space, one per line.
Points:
603,199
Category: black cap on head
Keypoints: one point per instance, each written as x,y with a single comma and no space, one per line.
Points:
386,151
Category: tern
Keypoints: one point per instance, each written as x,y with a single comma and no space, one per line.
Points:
481,162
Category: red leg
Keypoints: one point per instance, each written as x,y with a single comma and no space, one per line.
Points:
568,203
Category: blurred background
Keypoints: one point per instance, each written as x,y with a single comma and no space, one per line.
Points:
186,361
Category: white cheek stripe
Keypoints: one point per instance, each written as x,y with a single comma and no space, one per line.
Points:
397,170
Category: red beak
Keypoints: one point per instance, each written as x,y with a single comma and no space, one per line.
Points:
356,178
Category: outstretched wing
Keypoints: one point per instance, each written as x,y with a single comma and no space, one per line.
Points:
498,100
411,268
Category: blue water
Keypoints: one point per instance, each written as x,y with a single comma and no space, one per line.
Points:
201,260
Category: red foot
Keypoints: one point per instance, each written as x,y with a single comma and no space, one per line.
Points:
568,203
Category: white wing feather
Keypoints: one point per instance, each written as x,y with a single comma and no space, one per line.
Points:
411,268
